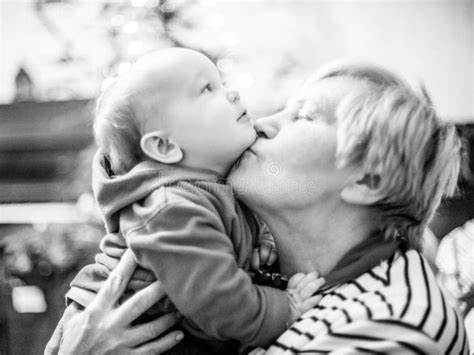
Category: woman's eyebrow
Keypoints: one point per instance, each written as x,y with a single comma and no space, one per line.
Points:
325,104
310,106
294,104
323,107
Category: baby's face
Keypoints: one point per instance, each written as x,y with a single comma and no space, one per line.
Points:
204,117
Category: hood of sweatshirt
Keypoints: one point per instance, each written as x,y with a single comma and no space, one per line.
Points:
113,193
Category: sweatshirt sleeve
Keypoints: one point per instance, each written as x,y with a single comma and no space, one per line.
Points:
185,245
89,280
86,284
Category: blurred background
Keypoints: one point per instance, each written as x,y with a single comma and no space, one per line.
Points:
57,55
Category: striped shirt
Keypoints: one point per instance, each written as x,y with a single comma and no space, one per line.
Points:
396,307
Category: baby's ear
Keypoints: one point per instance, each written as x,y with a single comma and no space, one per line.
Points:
363,190
158,146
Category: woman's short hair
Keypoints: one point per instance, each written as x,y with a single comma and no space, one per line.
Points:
394,133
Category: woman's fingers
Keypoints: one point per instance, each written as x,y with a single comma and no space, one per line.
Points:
115,285
145,332
140,302
55,342
159,346
52,348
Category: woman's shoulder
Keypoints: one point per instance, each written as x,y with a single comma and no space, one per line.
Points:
397,302
402,288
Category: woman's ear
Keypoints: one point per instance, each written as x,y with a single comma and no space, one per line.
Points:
158,146
363,191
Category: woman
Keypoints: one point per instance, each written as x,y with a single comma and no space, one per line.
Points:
347,177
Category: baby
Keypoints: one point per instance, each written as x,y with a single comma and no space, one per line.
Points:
168,132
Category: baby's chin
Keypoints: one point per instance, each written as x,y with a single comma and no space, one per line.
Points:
235,163
241,183
235,166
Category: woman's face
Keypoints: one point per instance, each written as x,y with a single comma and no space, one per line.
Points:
292,163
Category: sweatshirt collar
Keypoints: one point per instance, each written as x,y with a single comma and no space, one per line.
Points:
172,173
114,192
169,172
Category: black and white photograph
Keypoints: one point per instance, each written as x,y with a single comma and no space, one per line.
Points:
262,177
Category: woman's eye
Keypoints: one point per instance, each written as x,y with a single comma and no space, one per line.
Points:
303,117
207,88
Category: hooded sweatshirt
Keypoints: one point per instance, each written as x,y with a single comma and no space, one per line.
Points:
186,229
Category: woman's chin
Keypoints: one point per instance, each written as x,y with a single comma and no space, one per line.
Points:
247,181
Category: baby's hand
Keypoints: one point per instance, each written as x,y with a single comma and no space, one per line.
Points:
300,291
264,254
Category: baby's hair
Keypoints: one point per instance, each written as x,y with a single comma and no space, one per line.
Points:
394,132
117,129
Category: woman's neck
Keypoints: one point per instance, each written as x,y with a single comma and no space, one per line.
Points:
316,238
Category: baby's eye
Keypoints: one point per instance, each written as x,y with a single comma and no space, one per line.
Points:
206,89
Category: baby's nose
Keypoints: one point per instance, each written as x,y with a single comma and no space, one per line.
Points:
233,96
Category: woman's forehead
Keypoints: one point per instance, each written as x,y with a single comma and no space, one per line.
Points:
318,93
326,92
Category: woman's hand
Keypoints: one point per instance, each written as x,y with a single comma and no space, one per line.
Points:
105,327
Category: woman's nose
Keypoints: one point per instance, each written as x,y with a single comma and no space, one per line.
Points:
233,96
267,127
